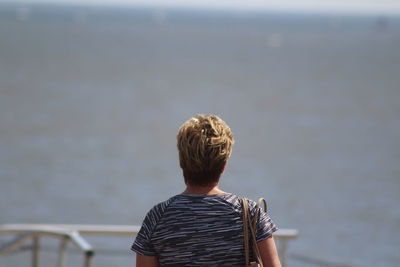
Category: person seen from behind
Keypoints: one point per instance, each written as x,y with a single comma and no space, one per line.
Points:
203,225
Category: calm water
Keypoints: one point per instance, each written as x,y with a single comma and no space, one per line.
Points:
91,99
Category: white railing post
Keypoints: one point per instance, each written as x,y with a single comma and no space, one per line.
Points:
88,259
61,252
35,251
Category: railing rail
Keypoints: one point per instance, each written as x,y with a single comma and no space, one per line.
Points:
25,234
73,232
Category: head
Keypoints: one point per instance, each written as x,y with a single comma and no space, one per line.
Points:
204,144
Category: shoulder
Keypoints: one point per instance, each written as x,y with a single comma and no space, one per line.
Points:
237,202
143,244
254,204
153,217
231,200
158,210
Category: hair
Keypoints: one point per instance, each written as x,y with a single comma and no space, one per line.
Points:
204,144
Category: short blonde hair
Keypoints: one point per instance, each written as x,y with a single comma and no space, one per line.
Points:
204,144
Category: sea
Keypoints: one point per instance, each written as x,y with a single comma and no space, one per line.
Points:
91,98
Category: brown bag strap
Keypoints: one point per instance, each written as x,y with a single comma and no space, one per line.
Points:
257,254
245,218
248,223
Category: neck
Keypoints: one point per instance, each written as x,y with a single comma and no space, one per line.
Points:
203,190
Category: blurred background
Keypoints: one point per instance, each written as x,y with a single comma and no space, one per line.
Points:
92,94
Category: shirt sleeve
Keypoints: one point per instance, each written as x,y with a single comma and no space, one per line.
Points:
142,243
265,226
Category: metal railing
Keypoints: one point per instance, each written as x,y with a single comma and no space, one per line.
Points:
73,232
25,233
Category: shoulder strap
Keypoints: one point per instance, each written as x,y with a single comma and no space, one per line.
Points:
248,223
256,251
245,218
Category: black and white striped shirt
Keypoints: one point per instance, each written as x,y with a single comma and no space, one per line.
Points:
198,230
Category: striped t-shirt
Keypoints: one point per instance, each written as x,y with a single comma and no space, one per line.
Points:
198,230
